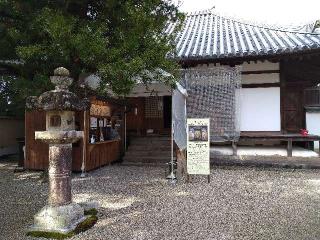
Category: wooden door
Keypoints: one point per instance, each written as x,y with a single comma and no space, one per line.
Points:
154,113
135,116
293,118
37,152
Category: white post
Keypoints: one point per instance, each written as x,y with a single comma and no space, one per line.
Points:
172,175
172,136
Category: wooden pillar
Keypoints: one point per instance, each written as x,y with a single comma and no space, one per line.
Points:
282,94
289,148
310,145
86,126
234,148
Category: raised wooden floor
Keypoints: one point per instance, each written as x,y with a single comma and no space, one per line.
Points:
275,136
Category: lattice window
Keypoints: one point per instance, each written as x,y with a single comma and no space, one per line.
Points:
154,107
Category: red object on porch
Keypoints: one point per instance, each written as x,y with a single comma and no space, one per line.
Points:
304,132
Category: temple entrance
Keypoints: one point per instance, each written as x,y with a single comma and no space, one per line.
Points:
149,115
149,130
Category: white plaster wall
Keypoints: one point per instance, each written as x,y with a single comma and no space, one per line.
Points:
260,78
313,125
260,109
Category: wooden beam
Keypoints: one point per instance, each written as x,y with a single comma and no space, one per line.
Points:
259,72
260,85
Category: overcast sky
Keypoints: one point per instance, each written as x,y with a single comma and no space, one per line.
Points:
281,12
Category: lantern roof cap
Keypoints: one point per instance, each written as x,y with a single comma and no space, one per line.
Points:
60,98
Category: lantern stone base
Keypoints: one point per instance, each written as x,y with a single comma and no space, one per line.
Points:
59,219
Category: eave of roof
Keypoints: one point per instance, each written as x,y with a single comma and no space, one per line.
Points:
208,36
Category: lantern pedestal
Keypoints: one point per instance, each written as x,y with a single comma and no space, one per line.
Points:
60,219
60,215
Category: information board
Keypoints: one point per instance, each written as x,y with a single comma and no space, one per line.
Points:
100,110
198,146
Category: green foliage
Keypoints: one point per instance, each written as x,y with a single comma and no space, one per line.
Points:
49,235
86,224
115,39
91,211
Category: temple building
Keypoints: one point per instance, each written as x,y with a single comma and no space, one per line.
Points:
280,73
276,101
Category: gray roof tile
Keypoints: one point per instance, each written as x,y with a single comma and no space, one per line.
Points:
206,35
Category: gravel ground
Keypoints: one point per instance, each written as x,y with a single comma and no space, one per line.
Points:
138,203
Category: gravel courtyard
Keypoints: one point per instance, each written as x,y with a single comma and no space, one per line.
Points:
138,203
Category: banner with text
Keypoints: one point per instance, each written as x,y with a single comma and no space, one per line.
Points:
198,147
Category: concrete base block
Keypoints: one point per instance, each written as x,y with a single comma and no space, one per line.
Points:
60,219
89,205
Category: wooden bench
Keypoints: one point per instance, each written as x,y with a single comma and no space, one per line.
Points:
284,137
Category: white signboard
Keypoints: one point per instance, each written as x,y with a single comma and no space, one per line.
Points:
198,146
93,122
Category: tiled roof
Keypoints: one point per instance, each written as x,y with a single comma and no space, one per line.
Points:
206,35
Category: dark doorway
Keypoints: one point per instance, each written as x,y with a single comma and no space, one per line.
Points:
167,115
293,111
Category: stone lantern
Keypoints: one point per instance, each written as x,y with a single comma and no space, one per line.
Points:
61,214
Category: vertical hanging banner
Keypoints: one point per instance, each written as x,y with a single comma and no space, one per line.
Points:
198,147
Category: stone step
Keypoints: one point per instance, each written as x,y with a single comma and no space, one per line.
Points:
163,162
150,150
146,159
147,139
148,153
149,164
149,143
152,136
139,148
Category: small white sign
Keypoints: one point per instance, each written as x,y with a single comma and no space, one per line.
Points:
93,122
198,146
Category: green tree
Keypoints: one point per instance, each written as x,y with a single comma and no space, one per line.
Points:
115,39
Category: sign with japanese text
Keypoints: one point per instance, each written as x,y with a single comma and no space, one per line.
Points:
198,146
100,110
